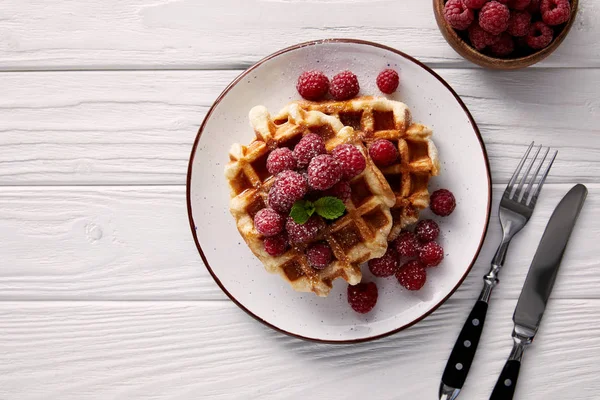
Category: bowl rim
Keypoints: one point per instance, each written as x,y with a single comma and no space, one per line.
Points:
241,77
471,54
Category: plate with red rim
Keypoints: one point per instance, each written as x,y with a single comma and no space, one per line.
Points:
266,297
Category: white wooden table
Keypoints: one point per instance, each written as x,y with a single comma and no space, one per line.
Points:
102,292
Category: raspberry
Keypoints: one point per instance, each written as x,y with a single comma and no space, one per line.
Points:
308,148
427,230
267,222
289,186
431,254
505,2
312,85
442,202
350,160
519,23
341,190
555,12
474,4
344,86
406,244
480,39
412,275
504,47
388,81
534,7
386,265
494,17
276,245
383,152
302,233
319,255
540,35
458,15
362,297
280,160
323,172
519,4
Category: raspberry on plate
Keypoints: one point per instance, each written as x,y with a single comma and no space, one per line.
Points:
519,23
427,230
344,86
494,17
480,39
319,255
308,148
383,152
555,12
302,233
276,245
474,4
288,187
350,159
406,244
386,265
442,202
323,172
268,222
540,35
280,160
431,254
362,297
412,275
341,190
504,46
388,81
458,15
519,4
312,85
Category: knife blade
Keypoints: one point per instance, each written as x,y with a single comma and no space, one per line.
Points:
538,286
542,273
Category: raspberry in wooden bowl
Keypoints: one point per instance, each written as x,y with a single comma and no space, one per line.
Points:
505,34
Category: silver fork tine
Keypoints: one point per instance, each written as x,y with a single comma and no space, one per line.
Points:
526,196
543,179
512,181
519,191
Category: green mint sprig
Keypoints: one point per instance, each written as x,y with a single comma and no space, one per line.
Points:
328,207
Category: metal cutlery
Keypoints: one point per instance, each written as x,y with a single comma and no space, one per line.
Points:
516,207
538,286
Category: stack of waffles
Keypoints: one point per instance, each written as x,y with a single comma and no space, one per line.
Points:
382,201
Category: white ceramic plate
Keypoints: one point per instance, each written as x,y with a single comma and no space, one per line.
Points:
271,82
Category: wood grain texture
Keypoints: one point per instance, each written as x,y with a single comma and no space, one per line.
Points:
207,350
133,243
63,128
158,34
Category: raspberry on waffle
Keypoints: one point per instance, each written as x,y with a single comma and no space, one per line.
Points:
356,237
380,118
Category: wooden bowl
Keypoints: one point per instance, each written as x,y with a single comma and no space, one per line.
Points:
470,53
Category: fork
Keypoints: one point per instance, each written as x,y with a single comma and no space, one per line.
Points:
516,207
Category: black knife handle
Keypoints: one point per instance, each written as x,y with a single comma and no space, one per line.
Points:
507,382
465,347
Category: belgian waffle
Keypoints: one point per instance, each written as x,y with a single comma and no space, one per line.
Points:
380,118
356,237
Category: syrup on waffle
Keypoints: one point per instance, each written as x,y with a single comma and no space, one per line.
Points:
356,237
380,118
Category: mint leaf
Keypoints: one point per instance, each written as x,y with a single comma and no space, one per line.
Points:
330,207
301,211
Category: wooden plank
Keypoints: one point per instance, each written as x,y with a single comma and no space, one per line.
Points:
60,128
134,243
175,34
191,350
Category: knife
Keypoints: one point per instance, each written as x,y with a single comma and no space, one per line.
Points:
538,286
